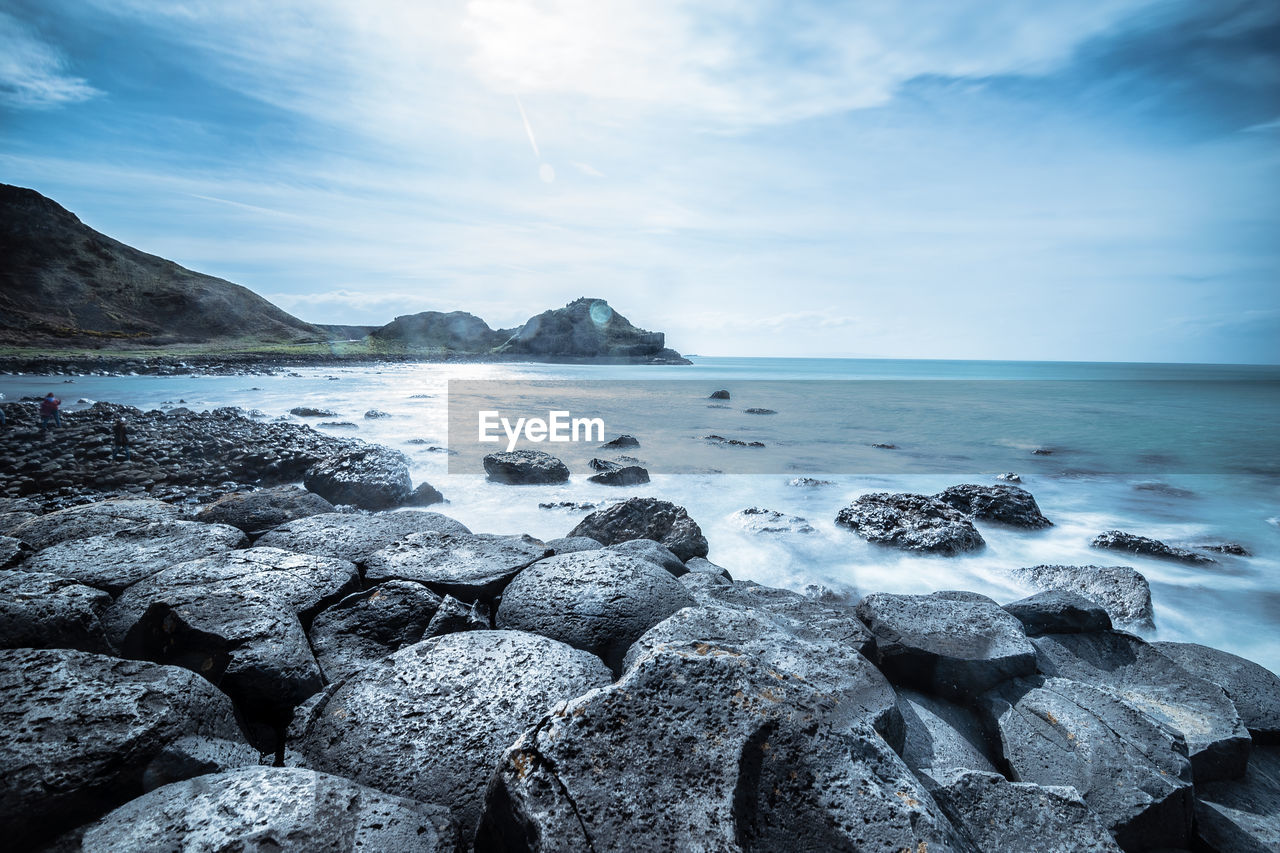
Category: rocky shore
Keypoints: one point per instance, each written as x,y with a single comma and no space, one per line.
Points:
196,653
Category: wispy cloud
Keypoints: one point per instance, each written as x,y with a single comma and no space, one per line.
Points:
33,75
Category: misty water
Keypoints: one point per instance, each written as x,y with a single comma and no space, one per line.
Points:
1222,489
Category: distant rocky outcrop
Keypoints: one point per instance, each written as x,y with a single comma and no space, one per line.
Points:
457,331
587,328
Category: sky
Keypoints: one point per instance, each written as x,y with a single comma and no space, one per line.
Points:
941,179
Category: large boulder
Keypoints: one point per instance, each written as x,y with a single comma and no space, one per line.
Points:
365,627
44,611
1004,504
912,523
113,561
355,536
82,733
370,477
1059,611
953,645
941,737
1130,770
705,750
272,808
1118,540
257,512
1244,814
468,566
1253,689
1122,591
598,601
81,522
525,468
1217,741
431,721
645,518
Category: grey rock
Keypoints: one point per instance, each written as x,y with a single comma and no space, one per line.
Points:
646,518
705,566
1009,477
603,465
719,395
453,616
950,645
367,626
12,551
756,519
598,601
631,475
431,721
375,414
1006,504
44,611
621,442
808,483
525,467
912,523
82,733
999,816
81,522
803,615
1131,771
756,410
1059,611
354,537
370,477
113,561
1234,549
1242,816
649,550
1253,689
941,737
272,808
1217,741
1122,591
570,544
309,412
1118,540
468,566
424,495
257,512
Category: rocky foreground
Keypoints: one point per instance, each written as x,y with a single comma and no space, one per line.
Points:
277,669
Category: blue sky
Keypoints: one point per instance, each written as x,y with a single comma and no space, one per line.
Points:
945,178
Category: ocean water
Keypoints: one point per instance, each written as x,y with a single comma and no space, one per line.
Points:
1213,480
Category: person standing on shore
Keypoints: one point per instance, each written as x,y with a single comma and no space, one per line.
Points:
120,441
49,412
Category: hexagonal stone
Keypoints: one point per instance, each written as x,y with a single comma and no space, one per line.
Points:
354,536
468,566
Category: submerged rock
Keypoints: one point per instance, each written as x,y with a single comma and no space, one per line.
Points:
44,611
309,412
1122,591
1253,689
756,519
630,475
369,477
257,512
468,566
646,518
353,537
1118,540
525,468
912,523
1006,504
1059,611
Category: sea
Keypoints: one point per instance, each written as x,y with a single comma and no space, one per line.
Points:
1184,453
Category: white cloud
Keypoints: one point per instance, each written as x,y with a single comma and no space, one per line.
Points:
32,74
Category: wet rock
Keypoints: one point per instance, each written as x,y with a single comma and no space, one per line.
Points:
646,518
705,566
1234,549
996,814
469,566
113,561
1253,689
882,445
808,483
431,721
365,627
603,465
70,717
525,467
570,544
272,808
630,475
947,644
1132,669
424,495
1005,504
1118,540
717,754
598,601
453,616
621,442
1122,591
719,395
1242,816
573,505
912,523
309,412
802,615
370,477
1131,771
257,512
44,611
375,414
649,550
1059,611
12,551
1009,477
756,519
755,410
354,537
940,737
81,522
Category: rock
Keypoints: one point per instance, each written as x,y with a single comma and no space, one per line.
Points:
759,411
1217,741
525,467
587,328
949,645
911,522
705,566
468,566
598,601
1009,477
374,414
1005,504
431,721
1253,689
82,733
646,518
719,395
370,477
272,808
705,751
631,475
649,550
756,519
802,615
941,738
995,814
574,505
1122,591
453,616
257,512
309,412
570,544
354,537
365,627
621,442
881,445
1059,611
808,483
856,690
1235,549
603,465
1241,815
1131,771
1118,540
81,522
424,495
113,561
12,552
44,611
339,425
1042,451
